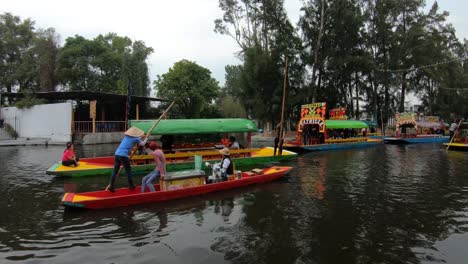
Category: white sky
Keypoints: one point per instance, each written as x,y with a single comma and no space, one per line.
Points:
175,29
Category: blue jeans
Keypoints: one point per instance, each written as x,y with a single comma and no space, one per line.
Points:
118,160
149,179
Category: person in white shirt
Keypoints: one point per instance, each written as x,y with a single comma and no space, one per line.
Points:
233,144
452,129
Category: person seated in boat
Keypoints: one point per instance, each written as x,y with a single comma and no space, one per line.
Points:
68,157
159,170
167,141
364,132
233,144
223,169
132,137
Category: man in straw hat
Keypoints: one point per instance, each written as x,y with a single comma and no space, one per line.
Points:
227,167
133,136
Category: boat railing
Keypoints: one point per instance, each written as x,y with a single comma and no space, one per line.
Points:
101,126
345,140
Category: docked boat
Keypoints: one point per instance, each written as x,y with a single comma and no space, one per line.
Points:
314,132
175,185
181,158
460,141
410,131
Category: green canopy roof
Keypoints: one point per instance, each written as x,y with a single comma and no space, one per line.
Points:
196,126
337,124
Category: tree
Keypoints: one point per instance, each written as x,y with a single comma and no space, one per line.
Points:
190,85
104,64
16,38
46,52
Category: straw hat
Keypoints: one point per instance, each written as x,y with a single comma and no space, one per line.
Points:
224,151
134,132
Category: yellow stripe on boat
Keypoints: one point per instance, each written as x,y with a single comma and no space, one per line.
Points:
83,166
268,152
79,198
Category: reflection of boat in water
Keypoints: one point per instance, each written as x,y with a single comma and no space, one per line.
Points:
314,132
182,158
460,140
410,131
175,186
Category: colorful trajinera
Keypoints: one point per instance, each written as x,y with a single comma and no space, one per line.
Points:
182,155
176,186
314,132
408,130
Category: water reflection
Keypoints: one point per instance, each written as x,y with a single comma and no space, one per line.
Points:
389,204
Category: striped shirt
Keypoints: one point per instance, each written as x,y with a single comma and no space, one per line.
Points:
453,127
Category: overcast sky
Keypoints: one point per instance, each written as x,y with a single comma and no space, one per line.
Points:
175,29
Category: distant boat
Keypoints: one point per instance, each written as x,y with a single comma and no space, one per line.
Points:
175,186
418,129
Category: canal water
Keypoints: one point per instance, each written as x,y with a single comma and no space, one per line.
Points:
387,204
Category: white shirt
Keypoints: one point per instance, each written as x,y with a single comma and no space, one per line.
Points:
235,145
453,127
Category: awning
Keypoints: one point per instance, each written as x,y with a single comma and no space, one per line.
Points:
337,124
429,124
196,126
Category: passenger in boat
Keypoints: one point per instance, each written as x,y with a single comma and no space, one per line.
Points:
159,171
227,167
233,144
68,157
133,136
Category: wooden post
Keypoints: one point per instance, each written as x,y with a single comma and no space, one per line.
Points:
137,112
281,137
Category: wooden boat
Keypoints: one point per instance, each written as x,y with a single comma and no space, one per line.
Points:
314,132
182,158
175,162
416,130
460,142
171,189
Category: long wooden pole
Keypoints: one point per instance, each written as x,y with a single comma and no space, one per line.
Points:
454,134
147,135
280,150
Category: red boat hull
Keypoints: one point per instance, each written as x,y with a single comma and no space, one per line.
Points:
125,197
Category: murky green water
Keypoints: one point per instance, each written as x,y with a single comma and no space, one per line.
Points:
388,204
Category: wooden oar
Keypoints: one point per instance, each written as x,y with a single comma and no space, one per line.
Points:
281,137
454,134
147,135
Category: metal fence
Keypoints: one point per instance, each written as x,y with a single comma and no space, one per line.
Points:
101,126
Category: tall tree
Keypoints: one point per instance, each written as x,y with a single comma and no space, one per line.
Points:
16,37
191,86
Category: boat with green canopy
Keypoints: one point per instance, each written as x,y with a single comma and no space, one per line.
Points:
314,132
207,136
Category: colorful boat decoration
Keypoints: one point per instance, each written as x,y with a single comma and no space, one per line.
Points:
181,159
314,132
176,186
460,141
410,131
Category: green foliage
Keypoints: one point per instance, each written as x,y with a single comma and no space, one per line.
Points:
232,108
16,62
104,64
29,101
191,86
10,130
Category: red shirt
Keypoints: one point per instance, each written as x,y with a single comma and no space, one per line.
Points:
68,155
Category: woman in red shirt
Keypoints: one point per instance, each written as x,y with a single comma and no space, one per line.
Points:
68,158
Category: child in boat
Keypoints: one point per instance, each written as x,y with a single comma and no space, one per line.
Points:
158,172
133,136
68,157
